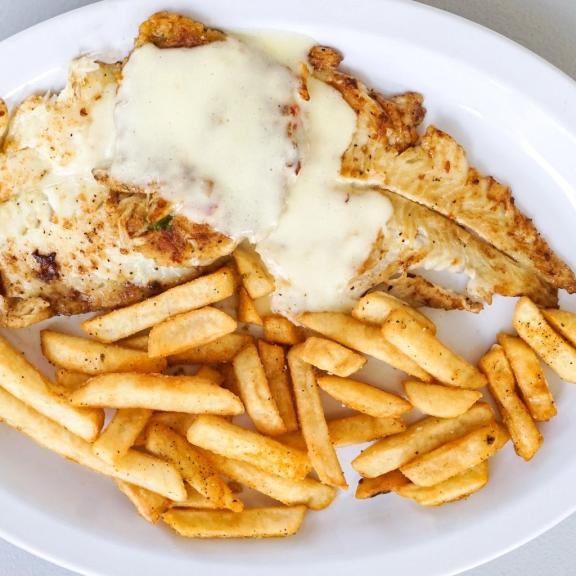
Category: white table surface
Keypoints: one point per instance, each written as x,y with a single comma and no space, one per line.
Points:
545,26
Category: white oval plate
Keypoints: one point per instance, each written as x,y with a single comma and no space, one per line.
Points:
516,115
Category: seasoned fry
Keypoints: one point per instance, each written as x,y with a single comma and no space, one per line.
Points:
218,351
133,319
280,330
197,501
121,434
273,359
148,504
419,344
70,380
438,400
331,357
24,382
137,468
456,456
195,467
563,322
543,339
451,490
4,119
313,423
255,277
211,375
178,421
246,309
524,433
255,392
158,392
255,523
81,355
529,377
364,338
419,438
309,492
375,307
226,439
363,397
136,342
384,484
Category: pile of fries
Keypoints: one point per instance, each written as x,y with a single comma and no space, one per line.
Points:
171,443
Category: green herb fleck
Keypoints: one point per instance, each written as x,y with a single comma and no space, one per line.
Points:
162,224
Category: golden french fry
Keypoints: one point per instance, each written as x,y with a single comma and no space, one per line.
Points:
247,311
4,119
70,380
137,317
456,456
226,439
157,392
563,322
456,488
331,356
188,330
419,438
383,484
543,339
199,502
148,504
309,492
255,392
178,421
348,430
362,337
375,307
24,382
82,355
270,522
438,400
422,346
230,380
524,433
195,467
273,359
363,397
136,342
137,468
211,375
529,377
121,434
218,351
313,422
280,330
255,277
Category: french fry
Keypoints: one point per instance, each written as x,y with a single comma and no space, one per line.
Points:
193,465
4,119
457,456
543,339
230,380
23,381
524,433
219,351
270,522
226,439
255,392
308,492
188,330
529,377
137,317
178,421
419,438
363,397
148,504
384,484
375,307
422,346
313,423
349,430
121,434
70,380
362,337
563,322
280,330
211,375
273,359
137,468
456,488
197,501
246,309
331,357
255,277
89,357
136,342
157,392
438,400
